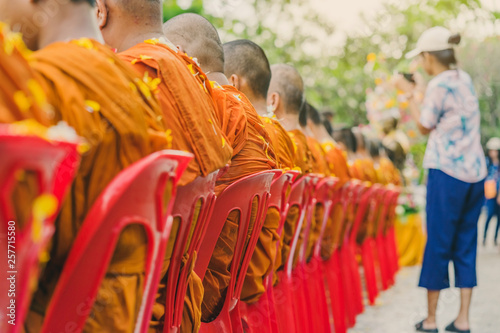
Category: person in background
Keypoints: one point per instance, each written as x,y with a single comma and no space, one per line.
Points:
328,118
492,185
449,112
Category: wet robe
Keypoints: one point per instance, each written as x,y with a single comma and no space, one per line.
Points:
254,155
190,118
108,105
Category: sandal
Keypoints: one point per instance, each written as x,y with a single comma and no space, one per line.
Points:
420,328
452,328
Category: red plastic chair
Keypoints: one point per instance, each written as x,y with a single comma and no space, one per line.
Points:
326,195
237,196
361,197
55,164
261,316
135,196
200,190
374,220
290,292
387,237
339,289
282,300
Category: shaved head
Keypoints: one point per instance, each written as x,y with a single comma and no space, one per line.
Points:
248,60
288,83
198,38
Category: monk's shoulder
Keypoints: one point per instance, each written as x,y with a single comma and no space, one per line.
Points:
21,94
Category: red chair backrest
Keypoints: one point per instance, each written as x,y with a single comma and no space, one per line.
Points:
302,197
135,196
363,196
327,195
237,196
392,203
188,241
280,190
55,165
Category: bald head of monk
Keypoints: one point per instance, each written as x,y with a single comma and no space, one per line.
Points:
196,36
286,95
126,23
247,68
44,22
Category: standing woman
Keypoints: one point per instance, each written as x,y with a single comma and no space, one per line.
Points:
449,112
492,185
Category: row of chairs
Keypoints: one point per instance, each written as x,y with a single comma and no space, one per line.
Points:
310,292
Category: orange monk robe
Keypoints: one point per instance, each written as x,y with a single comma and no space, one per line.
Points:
337,163
185,96
105,101
303,155
21,97
254,156
370,174
389,173
284,147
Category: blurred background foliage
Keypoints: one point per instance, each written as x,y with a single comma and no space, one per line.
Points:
291,31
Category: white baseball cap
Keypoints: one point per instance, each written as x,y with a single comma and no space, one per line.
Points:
433,39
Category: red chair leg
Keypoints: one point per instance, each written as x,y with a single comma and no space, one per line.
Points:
236,322
335,287
356,280
316,294
254,317
382,263
369,270
283,305
300,303
347,279
219,325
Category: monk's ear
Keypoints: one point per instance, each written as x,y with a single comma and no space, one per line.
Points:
235,81
274,101
102,13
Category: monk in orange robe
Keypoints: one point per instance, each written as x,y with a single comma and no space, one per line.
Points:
108,105
252,152
337,163
21,98
286,98
135,29
364,164
248,69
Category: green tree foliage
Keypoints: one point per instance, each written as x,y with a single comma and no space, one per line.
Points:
291,31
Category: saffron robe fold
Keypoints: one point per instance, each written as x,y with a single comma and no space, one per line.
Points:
105,101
